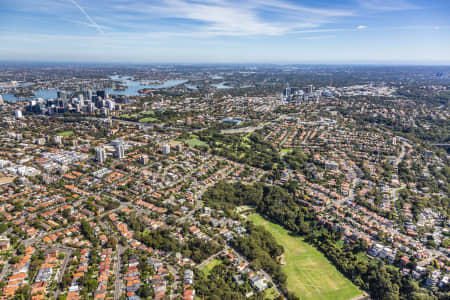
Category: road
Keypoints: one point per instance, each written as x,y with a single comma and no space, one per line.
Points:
117,265
402,154
244,129
4,271
176,281
68,253
206,261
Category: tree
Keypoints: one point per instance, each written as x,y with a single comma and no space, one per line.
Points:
145,291
23,293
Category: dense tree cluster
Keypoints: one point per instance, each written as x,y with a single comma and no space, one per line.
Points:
162,239
252,149
88,231
381,281
261,248
279,205
219,285
275,202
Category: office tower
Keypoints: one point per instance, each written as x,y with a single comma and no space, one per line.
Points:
61,95
100,154
87,94
110,104
120,150
101,94
91,107
19,114
287,92
57,140
166,149
1,100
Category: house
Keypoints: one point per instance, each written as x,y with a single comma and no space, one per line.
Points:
258,283
375,250
433,279
4,243
188,277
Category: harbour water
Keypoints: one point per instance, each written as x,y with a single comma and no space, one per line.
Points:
222,85
132,89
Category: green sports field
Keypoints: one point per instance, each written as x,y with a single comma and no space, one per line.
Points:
148,120
310,274
65,133
194,142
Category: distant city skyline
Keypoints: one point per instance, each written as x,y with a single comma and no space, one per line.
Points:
226,31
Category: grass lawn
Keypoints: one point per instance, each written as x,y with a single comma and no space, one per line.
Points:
65,133
310,274
148,120
194,142
147,113
287,151
271,294
207,269
243,208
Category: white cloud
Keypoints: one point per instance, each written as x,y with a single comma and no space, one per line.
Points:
361,27
388,5
231,18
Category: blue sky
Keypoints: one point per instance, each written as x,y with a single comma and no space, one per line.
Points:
226,31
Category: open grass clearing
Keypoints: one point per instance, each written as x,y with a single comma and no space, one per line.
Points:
309,274
147,113
194,142
148,120
270,294
209,266
65,133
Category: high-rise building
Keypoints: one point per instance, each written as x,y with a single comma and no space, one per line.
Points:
101,94
1,100
57,140
61,95
19,114
166,149
120,150
87,94
100,154
287,92
91,107
110,104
